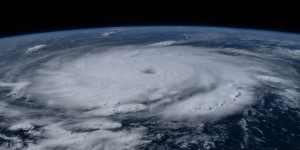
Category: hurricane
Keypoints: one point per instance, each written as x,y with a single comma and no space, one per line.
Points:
166,94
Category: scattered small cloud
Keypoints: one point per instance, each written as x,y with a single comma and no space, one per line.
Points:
164,43
108,33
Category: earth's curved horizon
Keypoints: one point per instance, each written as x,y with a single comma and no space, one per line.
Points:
150,87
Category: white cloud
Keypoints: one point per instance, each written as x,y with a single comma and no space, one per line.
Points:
108,33
35,48
164,43
17,88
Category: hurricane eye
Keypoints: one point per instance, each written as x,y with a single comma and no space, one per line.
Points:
149,71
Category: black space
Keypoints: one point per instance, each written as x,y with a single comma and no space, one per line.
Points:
24,17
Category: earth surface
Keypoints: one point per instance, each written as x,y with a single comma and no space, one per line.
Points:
150,88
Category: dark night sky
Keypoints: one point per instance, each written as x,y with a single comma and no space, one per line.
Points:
28,17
